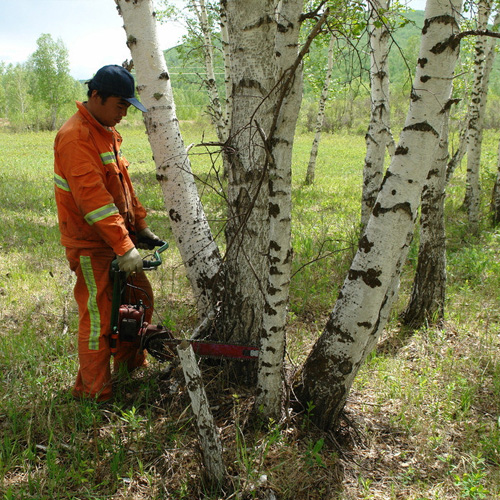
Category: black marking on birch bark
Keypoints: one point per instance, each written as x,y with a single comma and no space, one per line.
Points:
174,215
164,75
274,271
249,83
263,20
364,324
364,244
449,103
274,246
401,150
269,310
131,40
425,78
444,19
387,175
451,43
434,172
369,277
421,127
380,74
345,367
422,62
274,209
340,335
405,207
413,95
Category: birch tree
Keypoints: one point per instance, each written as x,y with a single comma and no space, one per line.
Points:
475,119
266,71
190,227
379,136
369,290
320,118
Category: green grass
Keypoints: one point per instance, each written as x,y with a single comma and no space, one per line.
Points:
421,421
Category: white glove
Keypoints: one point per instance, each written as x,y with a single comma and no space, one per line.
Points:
130,262
146,239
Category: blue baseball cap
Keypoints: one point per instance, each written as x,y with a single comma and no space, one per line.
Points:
117,81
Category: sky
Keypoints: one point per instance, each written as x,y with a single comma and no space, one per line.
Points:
91,30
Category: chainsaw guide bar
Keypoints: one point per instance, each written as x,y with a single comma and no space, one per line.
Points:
162,347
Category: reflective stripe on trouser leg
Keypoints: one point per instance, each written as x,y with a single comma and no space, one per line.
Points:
95,319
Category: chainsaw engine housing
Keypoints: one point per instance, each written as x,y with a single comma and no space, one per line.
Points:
130,321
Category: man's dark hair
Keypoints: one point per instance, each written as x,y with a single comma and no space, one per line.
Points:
103,95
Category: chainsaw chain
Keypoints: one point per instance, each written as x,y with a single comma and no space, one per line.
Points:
162,346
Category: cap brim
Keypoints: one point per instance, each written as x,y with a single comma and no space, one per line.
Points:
136,103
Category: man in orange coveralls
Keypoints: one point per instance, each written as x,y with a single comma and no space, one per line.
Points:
100,219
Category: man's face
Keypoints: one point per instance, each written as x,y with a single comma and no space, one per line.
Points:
110,112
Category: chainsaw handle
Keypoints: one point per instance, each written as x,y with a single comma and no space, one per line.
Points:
147,263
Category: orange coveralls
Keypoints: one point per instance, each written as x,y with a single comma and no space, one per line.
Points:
99,215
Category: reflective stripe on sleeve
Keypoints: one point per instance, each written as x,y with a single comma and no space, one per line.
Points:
95,320
108,157
101,213
61,183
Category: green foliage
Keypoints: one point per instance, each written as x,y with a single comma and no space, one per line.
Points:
39,94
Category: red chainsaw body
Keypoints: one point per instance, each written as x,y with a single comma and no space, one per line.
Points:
132,327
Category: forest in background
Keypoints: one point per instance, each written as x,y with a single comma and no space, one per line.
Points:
39,94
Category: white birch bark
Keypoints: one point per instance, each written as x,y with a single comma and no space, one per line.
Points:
475,122
369,290
210,83
279,252
251,31
379,135
320,118
428,294
210,442
228,82
173,169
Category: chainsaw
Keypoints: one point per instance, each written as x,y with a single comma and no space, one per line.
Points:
128,324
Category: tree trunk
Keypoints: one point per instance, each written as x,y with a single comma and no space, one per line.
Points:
378,136
320,118
266,71
251,33
228,82
495,199
208,433
279,145
475,123
215,107
429,286
370,288
173,169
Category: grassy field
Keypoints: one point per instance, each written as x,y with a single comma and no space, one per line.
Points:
422,421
